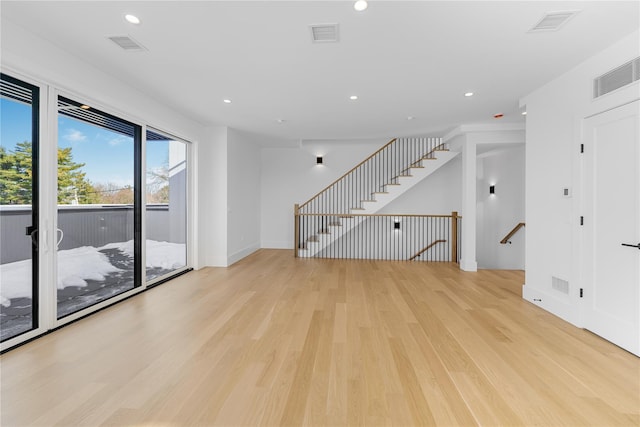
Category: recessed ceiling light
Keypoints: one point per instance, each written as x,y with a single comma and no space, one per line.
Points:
524,113
353,97
226,101
410,118
468,94
280,120
85,107
132,19
498,116
360,5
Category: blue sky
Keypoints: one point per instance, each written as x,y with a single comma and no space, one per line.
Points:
108,156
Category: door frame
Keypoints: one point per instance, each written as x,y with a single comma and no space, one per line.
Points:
40,253
139,200
583,209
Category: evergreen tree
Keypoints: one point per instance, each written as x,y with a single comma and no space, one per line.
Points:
72,183
16,177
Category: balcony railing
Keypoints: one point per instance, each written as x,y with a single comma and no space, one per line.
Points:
83,225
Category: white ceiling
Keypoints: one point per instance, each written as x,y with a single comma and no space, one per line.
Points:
402,58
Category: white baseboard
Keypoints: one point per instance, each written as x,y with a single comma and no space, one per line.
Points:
213,261
560,307
468,265
237,256
276,244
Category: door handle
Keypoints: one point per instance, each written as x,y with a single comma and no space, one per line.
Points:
631,246
60,238
33,233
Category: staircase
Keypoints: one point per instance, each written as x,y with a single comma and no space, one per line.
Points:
365,190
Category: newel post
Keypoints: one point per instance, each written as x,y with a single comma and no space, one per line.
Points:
454,236
296,229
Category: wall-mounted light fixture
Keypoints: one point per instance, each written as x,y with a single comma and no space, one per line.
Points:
318,160
396,224
492,189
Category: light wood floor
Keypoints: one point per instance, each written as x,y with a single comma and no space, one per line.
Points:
275,340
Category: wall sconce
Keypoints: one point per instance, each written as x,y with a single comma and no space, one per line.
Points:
492,189
396,224
319,160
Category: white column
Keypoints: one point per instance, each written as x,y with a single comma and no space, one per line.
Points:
469,172
212,198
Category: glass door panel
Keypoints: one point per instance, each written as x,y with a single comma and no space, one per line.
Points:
18,207
166,210
98,206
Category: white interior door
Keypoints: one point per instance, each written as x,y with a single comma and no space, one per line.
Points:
612,218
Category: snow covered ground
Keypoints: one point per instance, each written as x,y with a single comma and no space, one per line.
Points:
76,266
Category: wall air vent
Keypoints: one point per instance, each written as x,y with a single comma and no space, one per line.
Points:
560,285
617,78
552,21
127,43
324,33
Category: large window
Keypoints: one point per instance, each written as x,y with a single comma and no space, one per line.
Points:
87,221
166,210
18,207
98,206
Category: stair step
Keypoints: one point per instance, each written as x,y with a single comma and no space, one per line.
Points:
385,194
413,167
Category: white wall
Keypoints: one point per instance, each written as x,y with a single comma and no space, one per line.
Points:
497,214
554,120
243,195
438,194
290,176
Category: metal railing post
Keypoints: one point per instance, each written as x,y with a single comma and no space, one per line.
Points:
454,236
296,229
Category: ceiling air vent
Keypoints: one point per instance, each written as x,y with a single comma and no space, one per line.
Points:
324,33
617,78
127,43
552,21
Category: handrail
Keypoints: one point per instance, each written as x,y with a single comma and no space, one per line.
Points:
384,167
377,214
511,233
426,248
352,169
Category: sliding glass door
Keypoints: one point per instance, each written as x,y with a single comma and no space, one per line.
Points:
85,219
99,206
18,207
166,206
